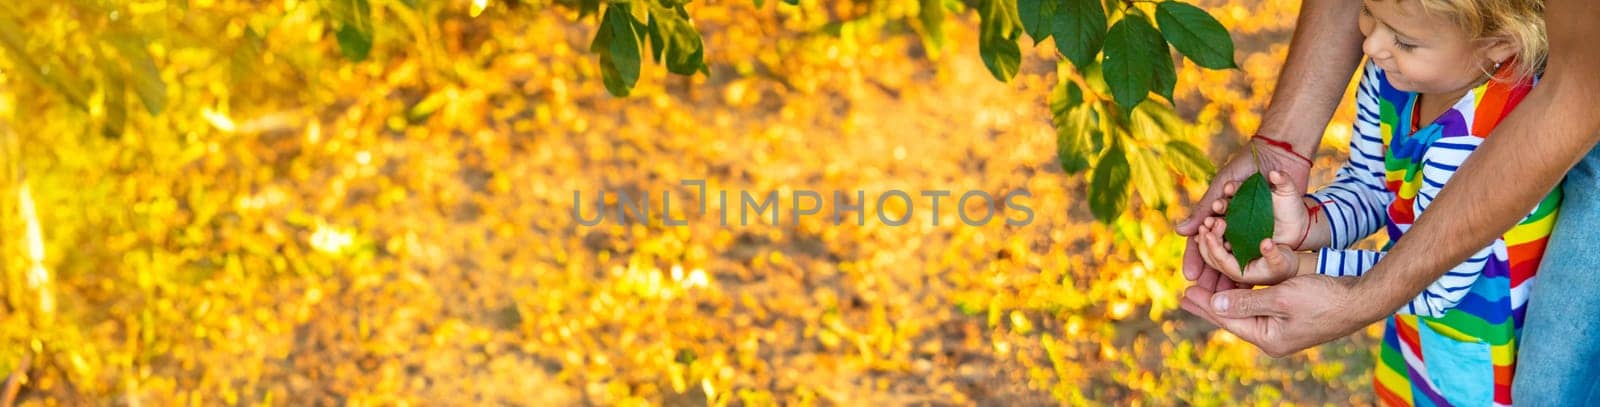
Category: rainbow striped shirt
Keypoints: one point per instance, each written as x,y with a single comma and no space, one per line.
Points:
1455,344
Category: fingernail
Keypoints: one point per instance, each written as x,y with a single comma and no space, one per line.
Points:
1220,303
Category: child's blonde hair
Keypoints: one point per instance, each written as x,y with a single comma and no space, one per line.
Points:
1518,21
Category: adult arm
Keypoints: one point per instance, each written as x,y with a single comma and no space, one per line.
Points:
1504,179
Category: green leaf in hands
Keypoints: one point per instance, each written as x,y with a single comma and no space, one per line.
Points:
1249,219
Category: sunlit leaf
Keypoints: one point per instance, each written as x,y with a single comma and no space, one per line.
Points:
1188,160
1071,120
1151,179
617,41
1109,187
675,43
11,37
116,105
931,16
354,44
997,42
146,76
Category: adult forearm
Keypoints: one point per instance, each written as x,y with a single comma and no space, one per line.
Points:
1322,57
1519,163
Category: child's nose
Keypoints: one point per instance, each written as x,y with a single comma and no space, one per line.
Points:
1373,45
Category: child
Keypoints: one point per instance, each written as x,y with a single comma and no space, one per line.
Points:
1440,74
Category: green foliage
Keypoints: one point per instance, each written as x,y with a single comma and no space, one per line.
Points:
1108,190
1072,121
355,34
1132,63
1081,31
1137,61
1078,26
617,42
1196,34
1249,219
997,39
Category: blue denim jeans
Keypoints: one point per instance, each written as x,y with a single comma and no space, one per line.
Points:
1560,344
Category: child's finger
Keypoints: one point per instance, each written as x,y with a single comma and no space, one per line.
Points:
1206,252
1224,259
1220,206
1271,259
1280,184
1230,189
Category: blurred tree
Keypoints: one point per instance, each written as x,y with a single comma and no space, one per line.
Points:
1103,121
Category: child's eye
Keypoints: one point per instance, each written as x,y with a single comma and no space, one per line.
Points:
1404,46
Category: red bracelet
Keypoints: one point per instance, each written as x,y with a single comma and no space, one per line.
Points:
1282,145
1311,217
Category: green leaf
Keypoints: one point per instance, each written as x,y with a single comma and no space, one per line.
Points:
1108,188
354,44
1188,160
350,12
354,18
1079,30
617,42
1143,127
675,43
588,8
1134,52
997,41
1249,219
1038,18
1196,34
1071,120
792,2
1164,75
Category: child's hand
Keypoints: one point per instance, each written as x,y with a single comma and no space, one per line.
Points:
1277,262
1291,219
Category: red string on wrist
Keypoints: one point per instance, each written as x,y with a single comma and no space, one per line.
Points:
1311,217
1285,146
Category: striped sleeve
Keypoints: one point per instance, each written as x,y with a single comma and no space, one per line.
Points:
1356,199
1440,296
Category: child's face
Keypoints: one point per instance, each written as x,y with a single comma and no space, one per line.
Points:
1425,52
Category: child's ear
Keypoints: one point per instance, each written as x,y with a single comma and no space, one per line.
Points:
1500,48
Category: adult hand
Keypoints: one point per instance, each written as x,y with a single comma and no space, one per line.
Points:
1241,165
1283,319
